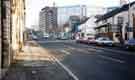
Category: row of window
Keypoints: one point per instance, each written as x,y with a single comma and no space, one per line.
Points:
108,29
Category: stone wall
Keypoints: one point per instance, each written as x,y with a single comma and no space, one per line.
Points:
5,35
12,20
18,23
5,29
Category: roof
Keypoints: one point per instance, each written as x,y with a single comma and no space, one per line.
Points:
48,8
104,25
115,11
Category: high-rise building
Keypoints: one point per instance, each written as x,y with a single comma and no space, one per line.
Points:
48,20
65,12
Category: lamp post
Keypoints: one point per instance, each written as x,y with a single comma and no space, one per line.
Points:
129,20
129,13
129,29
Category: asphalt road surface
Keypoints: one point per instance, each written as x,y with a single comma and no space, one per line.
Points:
84,62
69,60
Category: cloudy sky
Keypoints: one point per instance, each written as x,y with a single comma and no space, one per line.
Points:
34,6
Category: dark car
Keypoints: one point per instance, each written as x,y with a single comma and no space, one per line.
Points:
130,44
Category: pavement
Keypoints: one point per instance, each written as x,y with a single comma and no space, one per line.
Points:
35,63
68,60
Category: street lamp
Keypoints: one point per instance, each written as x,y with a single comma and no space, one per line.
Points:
129,13
129,19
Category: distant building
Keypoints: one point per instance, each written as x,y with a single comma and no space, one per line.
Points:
82,11
35,27
74,21
66,11
87,29
48,20
88,26
94,10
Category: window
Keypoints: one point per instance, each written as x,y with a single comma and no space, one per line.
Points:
120,20
3,11
120,23
105,21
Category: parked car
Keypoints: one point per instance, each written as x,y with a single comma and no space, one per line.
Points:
34,37
91,40
104,41
130,44
81,40
46,36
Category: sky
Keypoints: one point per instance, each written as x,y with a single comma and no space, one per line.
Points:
33,7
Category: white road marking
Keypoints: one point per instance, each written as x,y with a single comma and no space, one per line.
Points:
71,47
112,59
98,50
53,41
66,52
78,49
66,69
33,72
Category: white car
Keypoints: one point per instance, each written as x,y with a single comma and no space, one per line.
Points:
46,36
34,37
104,41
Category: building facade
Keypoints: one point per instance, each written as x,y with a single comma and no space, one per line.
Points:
74,21
18,23
118,24
87,29
48,20
5,34
12,24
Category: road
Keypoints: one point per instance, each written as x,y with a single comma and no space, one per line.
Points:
68,60
85,62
